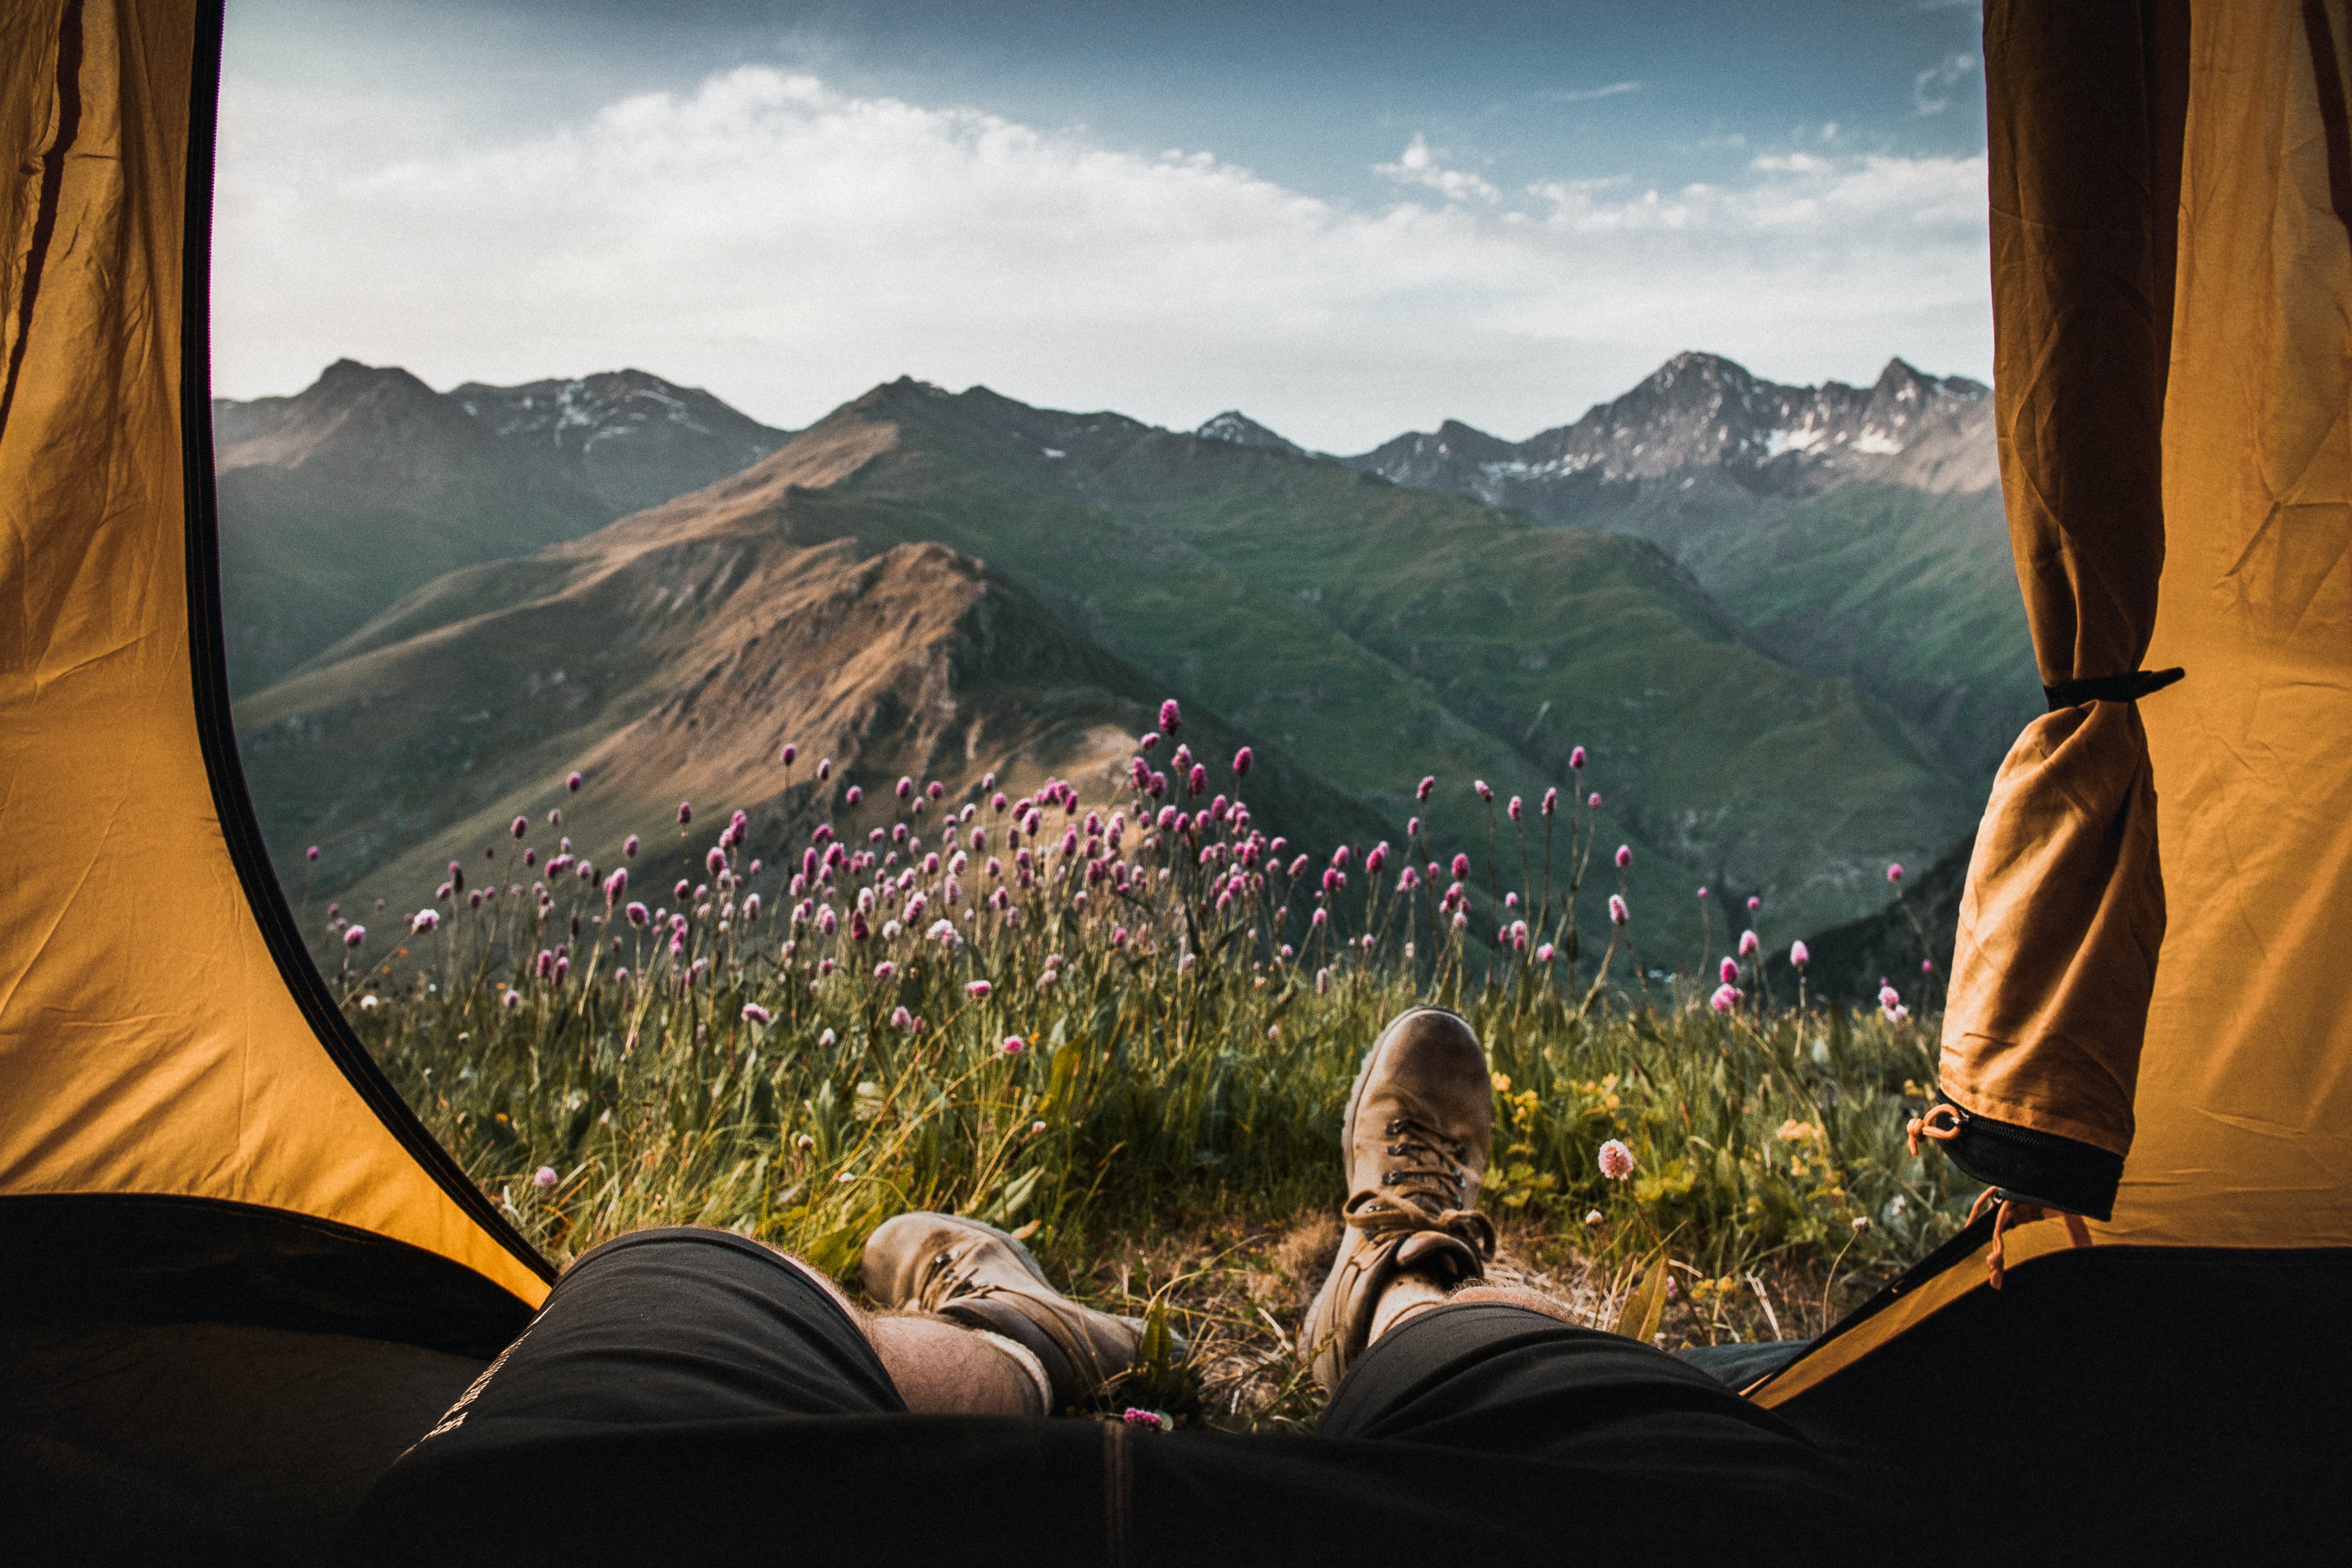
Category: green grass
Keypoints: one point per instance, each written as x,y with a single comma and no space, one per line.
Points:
1167,1128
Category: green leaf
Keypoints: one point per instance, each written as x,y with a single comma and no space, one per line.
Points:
1154,1349
1647,1305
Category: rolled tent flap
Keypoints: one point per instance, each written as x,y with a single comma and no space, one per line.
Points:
2063,913
187,1125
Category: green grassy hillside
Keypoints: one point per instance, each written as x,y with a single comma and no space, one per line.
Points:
1380,632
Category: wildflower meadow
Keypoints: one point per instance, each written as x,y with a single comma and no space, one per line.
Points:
1125,1028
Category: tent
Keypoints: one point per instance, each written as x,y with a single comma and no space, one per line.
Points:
241,1276
240,1270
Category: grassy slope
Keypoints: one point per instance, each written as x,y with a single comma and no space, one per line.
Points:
1909,594
1380,633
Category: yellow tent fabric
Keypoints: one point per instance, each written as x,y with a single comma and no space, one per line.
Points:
2244,1100
2245,1092
149,1042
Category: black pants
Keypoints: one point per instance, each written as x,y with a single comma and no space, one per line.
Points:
686,1394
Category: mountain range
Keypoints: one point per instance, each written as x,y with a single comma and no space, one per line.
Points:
1856,532
336,501
951,584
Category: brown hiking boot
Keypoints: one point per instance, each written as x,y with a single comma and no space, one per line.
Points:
975,1274
1415,1139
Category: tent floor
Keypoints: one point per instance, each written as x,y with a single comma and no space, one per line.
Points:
200,1442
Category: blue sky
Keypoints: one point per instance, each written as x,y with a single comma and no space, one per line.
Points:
1346,219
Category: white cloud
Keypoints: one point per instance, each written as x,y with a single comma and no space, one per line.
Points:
1587,94
1418,165
1931,90
788,246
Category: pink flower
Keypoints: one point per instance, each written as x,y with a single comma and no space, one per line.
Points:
884,970
1411,828
1428,783
637,914
978,990
906,787
788,754
1754,904
1550,801
824,769
1136,1416
1702,892
755,1013
1616,1161
424,921
1544,953
685,812
555,817
1516,808
902,1020
521,826
1749,942
1888,997
1461,867
1593,800
1894,872
1927,966
852,795
1146,742
615,885
1377,857
1800,954
1624,855
1013,1044
629,847
1576,760
1726,997
1728,971
311,853
1171,717
1486,791
1618,913
1242,760
355,936
573,784
544,1178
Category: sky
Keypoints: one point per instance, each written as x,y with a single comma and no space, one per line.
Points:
1347,220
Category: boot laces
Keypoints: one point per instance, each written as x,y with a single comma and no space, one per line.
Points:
1431,1174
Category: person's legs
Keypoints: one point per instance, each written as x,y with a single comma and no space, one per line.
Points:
691,1391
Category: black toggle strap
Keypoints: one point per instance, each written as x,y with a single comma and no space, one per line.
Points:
2110,687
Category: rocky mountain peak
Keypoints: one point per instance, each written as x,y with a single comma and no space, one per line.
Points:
1240,429
1698,415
